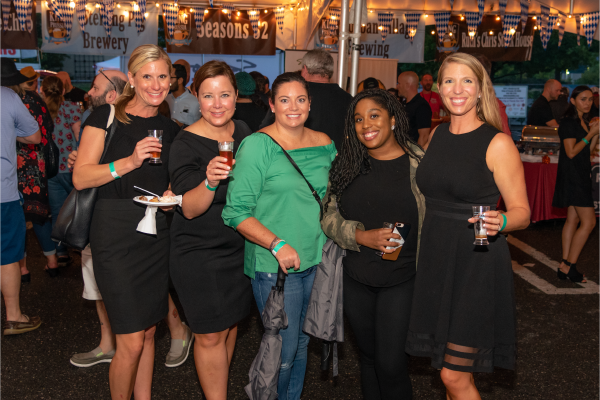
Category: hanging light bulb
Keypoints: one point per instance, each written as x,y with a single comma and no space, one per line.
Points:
224,11
266,11
146,15
363,25
512,31
570,16
126,14
135,7
396,30
46,4
534,18
380,27
491,33
191,10
157,5
558,24
433,32
449,33
118,5
97,5
471,33
184,15
498,18
535,27
205,11
426,15
72,4
462,18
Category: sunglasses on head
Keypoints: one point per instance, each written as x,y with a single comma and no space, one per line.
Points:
101,70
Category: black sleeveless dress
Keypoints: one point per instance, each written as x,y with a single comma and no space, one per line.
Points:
463,312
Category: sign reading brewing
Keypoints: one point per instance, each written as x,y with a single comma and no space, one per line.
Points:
222,33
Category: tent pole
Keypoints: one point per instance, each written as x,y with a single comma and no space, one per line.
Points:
358,4
343,47
295,30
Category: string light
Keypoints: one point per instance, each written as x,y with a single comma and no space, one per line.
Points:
449,33
126,13
380,27
266,11
191,10
224,11
558,24
46,4
184,15
371,11
462,18
238,13
396,30
471,33
97,5
512,31
135,7
146,15
363,25
570,16
498,18
205,11
535,27
72,4
426,15
118,5
491,33
157,5
534,18
433,32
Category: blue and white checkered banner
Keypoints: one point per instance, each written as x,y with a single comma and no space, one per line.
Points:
552,20
253,14
230,8
334,17
441,24
509,27
80,10
546,29
138,18
578,22
412,22
385,23
451,4
199,19
106,12
142,6
561,29
481,7
524,14
502,7
67,16
472,23
211,3
21,7
54,7
589,22
29,21
171,11
6,13
279,14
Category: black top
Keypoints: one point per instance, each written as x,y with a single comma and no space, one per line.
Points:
154,178
419,116
382,195
77,95
250,113
328,108
559,107
540,112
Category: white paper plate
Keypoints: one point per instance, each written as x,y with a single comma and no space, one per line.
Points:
152,203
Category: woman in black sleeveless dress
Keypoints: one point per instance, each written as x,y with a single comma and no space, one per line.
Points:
463,313
573,181
131,268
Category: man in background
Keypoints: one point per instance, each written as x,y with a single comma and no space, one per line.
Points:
540,113
560,105
434,100
417,109
184,106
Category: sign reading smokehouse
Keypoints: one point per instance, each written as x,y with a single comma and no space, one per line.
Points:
222,33
123,39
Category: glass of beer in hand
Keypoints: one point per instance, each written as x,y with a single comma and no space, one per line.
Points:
480,231
226,150
155,155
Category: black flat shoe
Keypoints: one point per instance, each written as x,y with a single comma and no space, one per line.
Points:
53,272
26,278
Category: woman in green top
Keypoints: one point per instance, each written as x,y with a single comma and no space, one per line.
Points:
270,204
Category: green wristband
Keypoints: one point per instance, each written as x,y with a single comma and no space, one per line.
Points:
212,189
503,223
113,171
585,141
278,247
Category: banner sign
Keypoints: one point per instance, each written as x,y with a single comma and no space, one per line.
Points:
397,42
94,40
222,33
515,99
13,37
488,40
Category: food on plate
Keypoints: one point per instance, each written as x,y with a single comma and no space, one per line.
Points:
143,198
154,200
168,199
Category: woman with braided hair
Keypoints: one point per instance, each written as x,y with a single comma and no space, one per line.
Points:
372,181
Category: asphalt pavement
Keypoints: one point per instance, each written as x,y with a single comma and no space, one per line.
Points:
557,332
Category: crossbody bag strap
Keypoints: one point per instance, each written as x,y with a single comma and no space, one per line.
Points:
109,132
312,189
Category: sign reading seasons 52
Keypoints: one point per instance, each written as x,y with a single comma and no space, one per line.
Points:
221,33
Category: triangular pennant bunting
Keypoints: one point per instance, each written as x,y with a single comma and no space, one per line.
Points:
451,4
561,30
578,22
230,8
481,7
29,21
524,14
472,23
509,27
502,7
552,20
21,7
5,13
546,30
142,6
55,8
334,15
589,22
253,15
441,24
106,12
67,16
171,10
385,23
279,14
412,23
80,10
198,18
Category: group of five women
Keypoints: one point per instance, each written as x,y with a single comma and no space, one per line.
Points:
458,307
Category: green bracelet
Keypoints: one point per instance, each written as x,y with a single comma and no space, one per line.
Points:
212,189
585,141
503,223
278,247
113,171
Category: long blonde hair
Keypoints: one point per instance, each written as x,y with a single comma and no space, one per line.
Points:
141,56
53,89
487,105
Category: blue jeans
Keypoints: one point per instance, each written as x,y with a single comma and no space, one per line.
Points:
295,342
59,188
43,232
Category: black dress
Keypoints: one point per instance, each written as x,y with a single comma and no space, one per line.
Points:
131,268
573,178
463,314
207,257
250,113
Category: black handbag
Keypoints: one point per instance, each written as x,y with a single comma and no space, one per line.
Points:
51,155
75,218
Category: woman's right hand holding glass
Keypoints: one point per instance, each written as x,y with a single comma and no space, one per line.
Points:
142,150
288,258
217,170
377,239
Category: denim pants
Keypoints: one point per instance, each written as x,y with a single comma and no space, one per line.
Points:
59,188
295,342
43,232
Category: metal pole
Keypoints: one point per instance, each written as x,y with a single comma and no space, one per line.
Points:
343,47
295,29
355,47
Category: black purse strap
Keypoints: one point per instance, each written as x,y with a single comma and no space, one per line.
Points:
109,132
312,189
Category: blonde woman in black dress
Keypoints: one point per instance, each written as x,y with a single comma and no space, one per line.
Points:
463,313
573,181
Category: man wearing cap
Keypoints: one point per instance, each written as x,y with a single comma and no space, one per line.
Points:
417,108
370,83
540,113
433,98
17,126
185,109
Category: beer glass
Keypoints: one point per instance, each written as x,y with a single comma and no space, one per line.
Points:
226,150
155,155
480,231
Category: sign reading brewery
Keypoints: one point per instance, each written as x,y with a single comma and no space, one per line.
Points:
15,38
222,33
488,40
93,40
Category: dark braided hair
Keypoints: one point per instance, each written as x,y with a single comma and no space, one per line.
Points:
354,158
